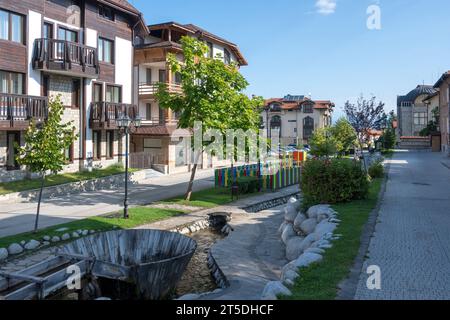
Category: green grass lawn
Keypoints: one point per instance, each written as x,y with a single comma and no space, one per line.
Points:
138,216
319,281
53,180
208,198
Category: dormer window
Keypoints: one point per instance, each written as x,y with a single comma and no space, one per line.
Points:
308,108
106,12
227,56
275,107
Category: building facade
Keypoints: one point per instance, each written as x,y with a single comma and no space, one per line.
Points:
415,110
443,85
293,119
159,136
79,50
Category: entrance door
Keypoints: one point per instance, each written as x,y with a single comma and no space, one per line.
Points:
12,138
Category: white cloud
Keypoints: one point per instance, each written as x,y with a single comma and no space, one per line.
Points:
326,7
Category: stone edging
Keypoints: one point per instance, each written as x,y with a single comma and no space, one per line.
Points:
105,183
276,202
348,287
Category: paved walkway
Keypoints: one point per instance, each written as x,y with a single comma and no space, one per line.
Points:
19,217
411,243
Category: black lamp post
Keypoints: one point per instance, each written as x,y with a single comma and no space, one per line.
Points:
125,123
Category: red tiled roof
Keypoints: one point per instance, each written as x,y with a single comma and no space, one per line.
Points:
291,105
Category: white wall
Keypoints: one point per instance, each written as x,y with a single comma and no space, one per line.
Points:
124,66
34,32
91,40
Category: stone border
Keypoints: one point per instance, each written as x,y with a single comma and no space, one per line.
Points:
273,203
105,183
348,287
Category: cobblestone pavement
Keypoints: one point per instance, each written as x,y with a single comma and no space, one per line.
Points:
411,243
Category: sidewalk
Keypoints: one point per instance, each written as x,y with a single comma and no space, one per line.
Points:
19,217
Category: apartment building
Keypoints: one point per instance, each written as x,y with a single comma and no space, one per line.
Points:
80,50
443,85
159,136
293,119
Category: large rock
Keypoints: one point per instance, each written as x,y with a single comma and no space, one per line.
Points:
294,248
65,237
288,233
298,221
282,227
3,254
274,289
15,248
32,245
290,213
324,228
295,203
320,212
56,239
308,226
46,238
288,278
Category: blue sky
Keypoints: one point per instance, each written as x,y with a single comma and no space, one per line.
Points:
303,46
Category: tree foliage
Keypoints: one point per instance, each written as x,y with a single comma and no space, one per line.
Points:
433,125
323,143
345,135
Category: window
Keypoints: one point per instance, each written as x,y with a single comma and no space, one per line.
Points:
148,111
275,122
113,94
162,76
48,31
177,78
308,108
420,118
68,154
11,26
105,50
308,127
110,144
148,76
106,12
98,92
227,56
67,35
210,49
11,82
96,144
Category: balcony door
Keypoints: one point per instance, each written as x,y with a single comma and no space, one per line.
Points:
12,139
162,76
66,35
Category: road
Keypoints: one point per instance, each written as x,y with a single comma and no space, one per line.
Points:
411,243
18,218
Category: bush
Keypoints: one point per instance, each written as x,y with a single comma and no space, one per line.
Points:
376,170
333,181
249,185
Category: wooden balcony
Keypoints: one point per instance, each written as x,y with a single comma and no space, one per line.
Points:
149,90
158,122
16,111
65,57
105,114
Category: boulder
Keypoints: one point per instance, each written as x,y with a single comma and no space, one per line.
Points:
22,243
315,250
323,228
65,237
15,248
288,233
46,238
189,297
85,232
274,289
308,226
46,243
289,277
320,212
294,248
295,203
3,254
75,234
307,259
91,231
290,213
32,245
282,227
298,221
56,239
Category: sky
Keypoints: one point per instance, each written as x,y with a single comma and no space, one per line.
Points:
324,47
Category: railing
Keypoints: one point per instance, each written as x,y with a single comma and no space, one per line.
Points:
152,88
14,107
103,112
66,53
158,121
141,160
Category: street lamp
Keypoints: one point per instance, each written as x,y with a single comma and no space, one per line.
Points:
125,124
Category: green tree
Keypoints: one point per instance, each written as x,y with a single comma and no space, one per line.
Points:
323,143
212,94
433,125
45,145
345,135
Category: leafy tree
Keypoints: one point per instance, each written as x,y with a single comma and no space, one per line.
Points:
433,125
323,143
212,94
44,147
344,134
364,116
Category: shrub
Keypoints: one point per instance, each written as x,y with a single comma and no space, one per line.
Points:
333,181
249,185
376,170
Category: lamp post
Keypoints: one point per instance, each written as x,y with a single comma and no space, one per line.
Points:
125,123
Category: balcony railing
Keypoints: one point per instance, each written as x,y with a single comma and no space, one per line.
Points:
17,110
105,114
159,121
65,56
150,89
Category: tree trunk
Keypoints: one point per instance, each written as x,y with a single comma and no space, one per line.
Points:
363,157
36,223
191,181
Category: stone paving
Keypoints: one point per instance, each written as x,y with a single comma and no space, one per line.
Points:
411,243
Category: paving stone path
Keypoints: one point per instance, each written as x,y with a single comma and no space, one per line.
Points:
411,243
